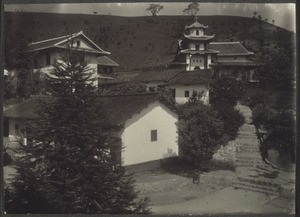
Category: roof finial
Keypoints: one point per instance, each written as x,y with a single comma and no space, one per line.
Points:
196,18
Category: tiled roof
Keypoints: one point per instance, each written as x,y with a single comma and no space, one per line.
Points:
25,109
57,42
120,77
117,108
192,77
157,75
236,63
200,38
195,25
199,51
229,48
105,61
162,75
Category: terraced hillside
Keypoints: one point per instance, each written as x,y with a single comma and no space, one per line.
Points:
144,42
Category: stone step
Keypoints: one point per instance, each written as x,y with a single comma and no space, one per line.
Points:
247,127
247,140
247,154
255,158
247,164
260,182
252,150
255,189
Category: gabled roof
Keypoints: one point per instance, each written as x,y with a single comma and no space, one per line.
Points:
229,48
160,75
59,41
117,108
105,61
199,38
242,63
188,51
192,77
157,75
196,25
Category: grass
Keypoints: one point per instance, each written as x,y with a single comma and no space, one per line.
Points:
179,166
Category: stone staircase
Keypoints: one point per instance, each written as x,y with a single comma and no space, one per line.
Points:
253,174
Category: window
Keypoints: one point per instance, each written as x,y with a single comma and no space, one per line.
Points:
78,43
197,46
235,58
153,135
187,93
197,32
48,59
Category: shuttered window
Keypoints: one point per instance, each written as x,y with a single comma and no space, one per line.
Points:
153,135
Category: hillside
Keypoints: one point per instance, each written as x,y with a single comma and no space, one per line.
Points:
142,42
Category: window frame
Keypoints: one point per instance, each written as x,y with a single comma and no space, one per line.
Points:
186,93
153,135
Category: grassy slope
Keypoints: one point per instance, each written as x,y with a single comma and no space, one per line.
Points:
141,42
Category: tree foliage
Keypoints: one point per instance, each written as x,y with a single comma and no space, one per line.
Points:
232,119
154,9
278,71
200,132
192,9
67,165
27,81
226,91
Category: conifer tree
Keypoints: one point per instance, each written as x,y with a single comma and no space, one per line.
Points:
67,165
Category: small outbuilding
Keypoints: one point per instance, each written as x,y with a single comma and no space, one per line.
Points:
144,125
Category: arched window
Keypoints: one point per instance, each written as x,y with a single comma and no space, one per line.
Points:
197,32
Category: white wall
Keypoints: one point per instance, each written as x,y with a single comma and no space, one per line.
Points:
153,84
197,60
136,137
180,92
16,135
193,32
89,58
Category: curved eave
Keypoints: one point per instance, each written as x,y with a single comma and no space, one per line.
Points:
63,47
236,54
186,51
196,27
199,38
249,65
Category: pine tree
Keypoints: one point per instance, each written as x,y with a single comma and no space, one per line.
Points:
67,165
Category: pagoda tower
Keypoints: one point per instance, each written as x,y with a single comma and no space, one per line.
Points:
195,47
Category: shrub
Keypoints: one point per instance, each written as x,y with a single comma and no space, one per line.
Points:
232,119
200,132
227,91
259,98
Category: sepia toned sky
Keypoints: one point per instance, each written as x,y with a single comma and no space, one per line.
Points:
283,13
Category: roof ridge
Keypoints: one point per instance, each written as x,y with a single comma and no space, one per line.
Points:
225,42
50,39
129,94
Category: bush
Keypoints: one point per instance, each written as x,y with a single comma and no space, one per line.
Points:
232,119
227,91
259,98
200,132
